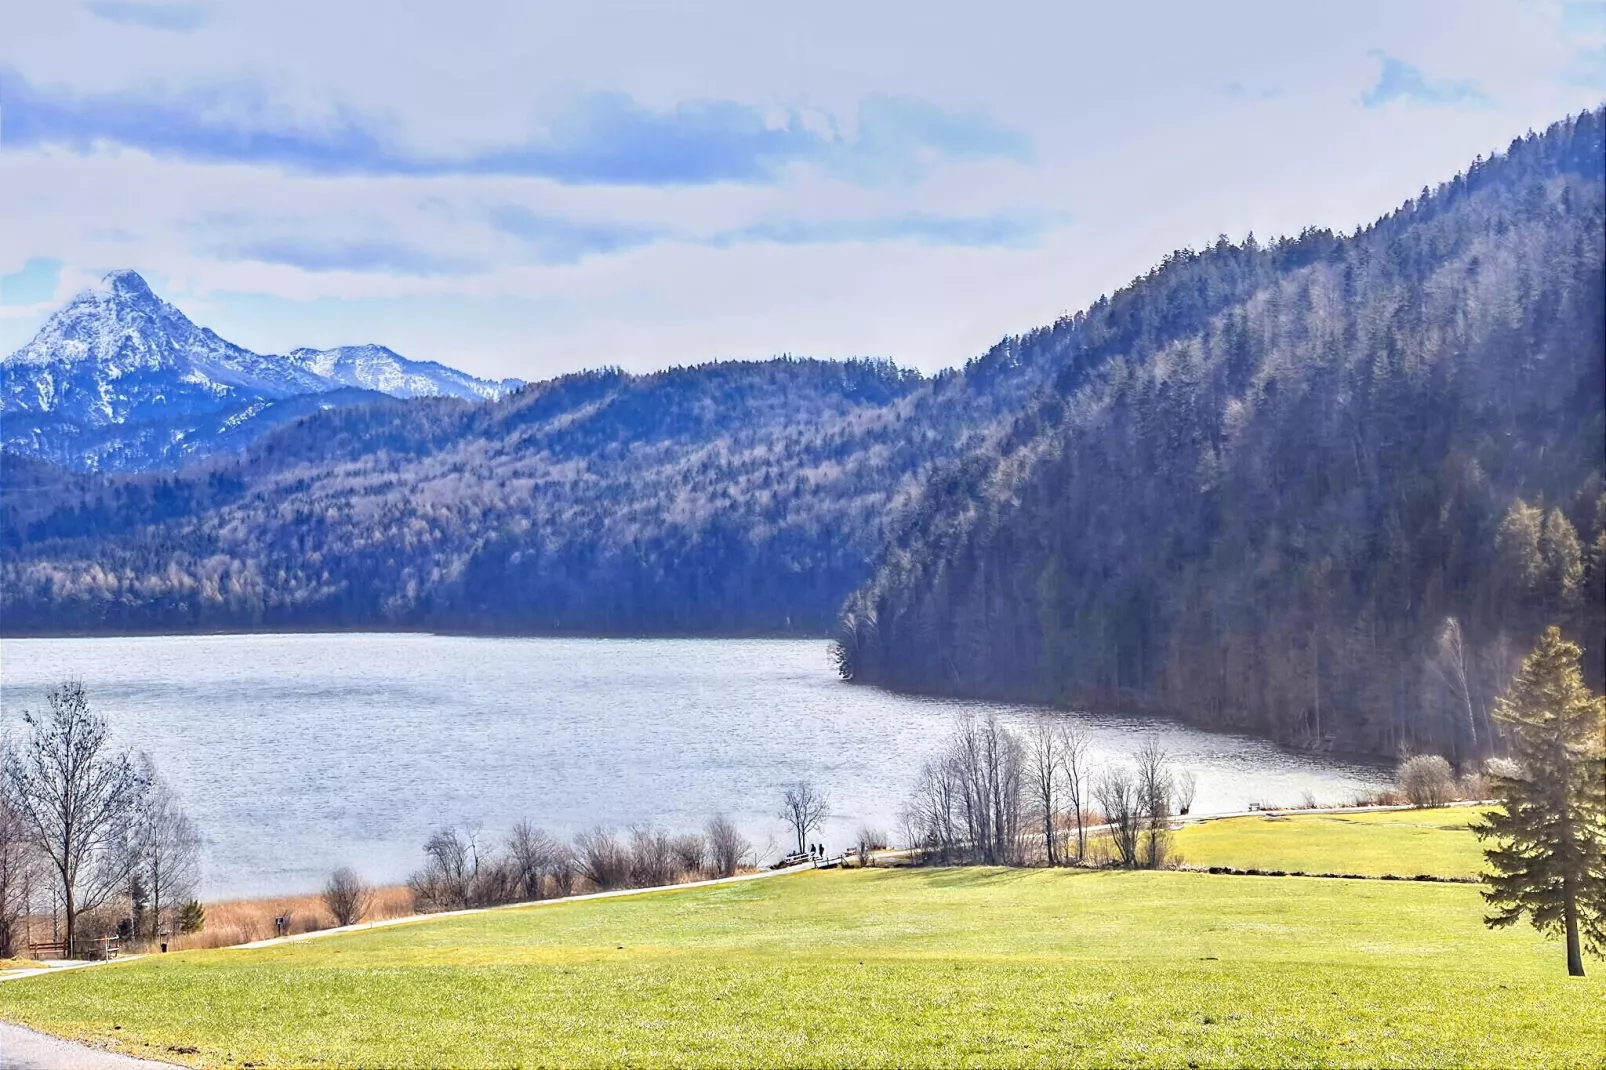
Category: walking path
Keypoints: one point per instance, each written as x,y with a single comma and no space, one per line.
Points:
24,1049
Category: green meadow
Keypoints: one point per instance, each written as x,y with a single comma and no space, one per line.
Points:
911,967
1400,842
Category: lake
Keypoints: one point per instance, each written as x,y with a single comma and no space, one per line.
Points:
300,753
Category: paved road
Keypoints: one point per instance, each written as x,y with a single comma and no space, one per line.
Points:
23,1049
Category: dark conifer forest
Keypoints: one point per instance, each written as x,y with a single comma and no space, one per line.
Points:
1325,488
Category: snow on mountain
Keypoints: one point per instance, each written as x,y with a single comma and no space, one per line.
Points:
374,367
118,372
117,352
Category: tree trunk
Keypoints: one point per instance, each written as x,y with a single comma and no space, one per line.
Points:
72,920
1575,958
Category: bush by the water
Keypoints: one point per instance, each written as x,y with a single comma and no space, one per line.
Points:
462,871
1427,780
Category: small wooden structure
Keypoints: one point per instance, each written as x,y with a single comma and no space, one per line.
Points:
47,949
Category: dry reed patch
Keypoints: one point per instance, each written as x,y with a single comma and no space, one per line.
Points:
240,921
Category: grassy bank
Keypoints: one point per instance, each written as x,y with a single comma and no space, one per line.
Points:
914,967
1402,842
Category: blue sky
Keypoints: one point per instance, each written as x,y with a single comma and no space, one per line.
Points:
528,189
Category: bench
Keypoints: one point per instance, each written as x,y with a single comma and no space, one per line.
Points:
52,949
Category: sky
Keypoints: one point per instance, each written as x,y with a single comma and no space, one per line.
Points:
524,189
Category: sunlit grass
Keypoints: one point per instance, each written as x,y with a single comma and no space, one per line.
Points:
914,967
1402,842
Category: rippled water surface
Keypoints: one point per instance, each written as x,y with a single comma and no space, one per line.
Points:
299,753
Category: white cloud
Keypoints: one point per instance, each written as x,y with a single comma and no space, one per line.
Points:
1134,139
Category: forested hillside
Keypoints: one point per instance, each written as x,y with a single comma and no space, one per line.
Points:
1327,488
727,498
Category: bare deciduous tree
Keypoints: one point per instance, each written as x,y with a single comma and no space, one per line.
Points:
969,800
17,871
348,896
803,808
601,859
989,760
563,871
531,853
1155,788
1043,774
1118,795
1187,786
652,857
496,881
1074,764
726,846
691,853
931,819
77,799
451,865
169,852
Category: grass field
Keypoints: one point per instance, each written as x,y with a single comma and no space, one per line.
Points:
911,967
1402,842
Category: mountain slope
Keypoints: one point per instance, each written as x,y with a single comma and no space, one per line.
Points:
371,367
119,379
1324,489
734,497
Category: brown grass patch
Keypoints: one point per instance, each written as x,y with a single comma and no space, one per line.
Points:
240,921
21,964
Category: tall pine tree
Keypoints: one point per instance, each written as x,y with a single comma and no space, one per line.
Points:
1549,859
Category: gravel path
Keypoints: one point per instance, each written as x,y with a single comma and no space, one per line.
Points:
23,1049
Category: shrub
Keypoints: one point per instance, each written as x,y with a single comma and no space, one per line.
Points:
691,853
652,857
1473,785
601,859
347,896
1426,780
191,917
869,842
726,846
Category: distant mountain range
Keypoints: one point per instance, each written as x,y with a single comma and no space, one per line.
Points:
120,380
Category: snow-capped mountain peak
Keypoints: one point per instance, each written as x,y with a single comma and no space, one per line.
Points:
117,361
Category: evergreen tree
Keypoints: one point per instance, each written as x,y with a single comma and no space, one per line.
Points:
1549,862
1563,563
